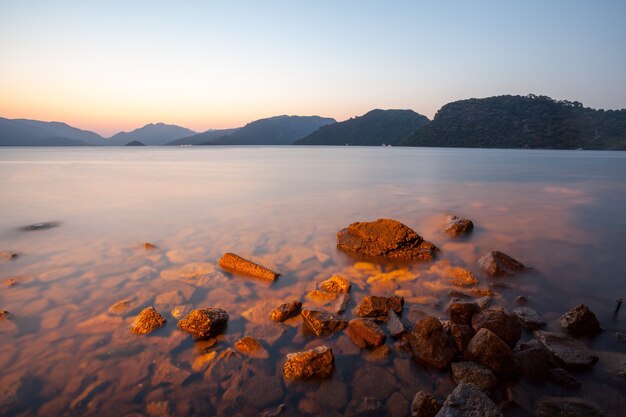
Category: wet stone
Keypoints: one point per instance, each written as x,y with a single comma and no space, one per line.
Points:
321,297
467,400
568,407
425,405
323,323
529,318
4,315
488,349
336,284
569,352
461,335
459,226
395,325
121,307
396,303
462,277
238,265
7,256
534,360
521,300
474,373
168,373
379,354
204,323
373,381
365,333
504,325
364,407
580,321
397,405
498,264
10,282
149,246
315,363
339,306
462,312
372,306
251,347
286,311
147,321
561,377
430,345
332,393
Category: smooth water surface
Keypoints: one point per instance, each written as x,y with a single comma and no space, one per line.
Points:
561,212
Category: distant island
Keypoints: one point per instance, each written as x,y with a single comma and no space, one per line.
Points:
529,122
135,143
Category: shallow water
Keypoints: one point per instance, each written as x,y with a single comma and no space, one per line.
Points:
561,212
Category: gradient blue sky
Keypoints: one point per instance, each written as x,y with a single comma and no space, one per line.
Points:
117,65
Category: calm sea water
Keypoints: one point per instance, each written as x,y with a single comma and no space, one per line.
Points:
561,212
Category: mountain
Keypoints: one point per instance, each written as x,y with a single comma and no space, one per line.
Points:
372,129
522,122
135,143
278,130
21,132
151,134
201,138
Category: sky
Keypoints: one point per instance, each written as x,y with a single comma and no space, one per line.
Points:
112,65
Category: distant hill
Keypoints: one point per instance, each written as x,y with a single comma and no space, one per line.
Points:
278,130
522,122
201,138
21,132
151,134
135,143
372,129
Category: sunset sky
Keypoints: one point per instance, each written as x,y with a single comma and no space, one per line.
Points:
109,66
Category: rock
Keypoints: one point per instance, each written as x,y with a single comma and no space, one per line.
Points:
336,284
580,321
149,246
180,310
332,393
424,405
534,360
168,373
10,282
498,264
461,335
397,405
147,321
479,375
251,387
285,311
394,324
462,312
315,363
459,226
121,307
4,315
7,256
40,226
339,306
521,300
323,323
379,354
251,347
483,302
364,407
504,325
430,345
467,400
487,348
238,265
365,333
567,407
516,397
564,379
569,352
372,306
373,381
528,318
321,297
461,277
396,303
385,238
204,322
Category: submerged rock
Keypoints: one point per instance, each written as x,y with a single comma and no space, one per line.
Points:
529,318
385,238
499,264
479,375
10,282
40,226
467,400
315,363
504,325
365,333
121,307
570,353
534,360
580,321
321,297
286,311
430,345
425,405
364,407
564,379
461,335
323,323
336,284
459,226
339,306
238,265
147,321
568,407
487,348
148,246
7,256
204,322
251,347
4,315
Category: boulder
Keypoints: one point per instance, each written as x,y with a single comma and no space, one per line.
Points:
395,325
487,348
365,333
461,335
462,312
474,373
569,352
315,363
467,400
498,264
580,321
249,346
528,318
364,407
385,238
147,321
459,226
323,323
336,284
534,360
204,322
504,325
568,407
430,345
238,265
285,311
424,405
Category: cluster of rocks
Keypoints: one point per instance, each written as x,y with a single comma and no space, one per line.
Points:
200,323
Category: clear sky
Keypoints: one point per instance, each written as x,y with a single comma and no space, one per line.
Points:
117,65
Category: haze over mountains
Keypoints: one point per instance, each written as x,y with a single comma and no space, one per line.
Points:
494,122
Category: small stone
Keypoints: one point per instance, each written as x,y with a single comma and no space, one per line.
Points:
10,282
251,347
568,407
564,379
430,345
204,323
7,256
521,300
238,265
570,353
462,312
286,311
323,323
459,226
528,318
321,297
180,310
315,363
395,325
425,405
488,349
121,307
467,400
481,292
365,333
147,321
149,246
372,306
461,277
339,306
479,375
504,325
4,315
580,321
336,284
498,264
